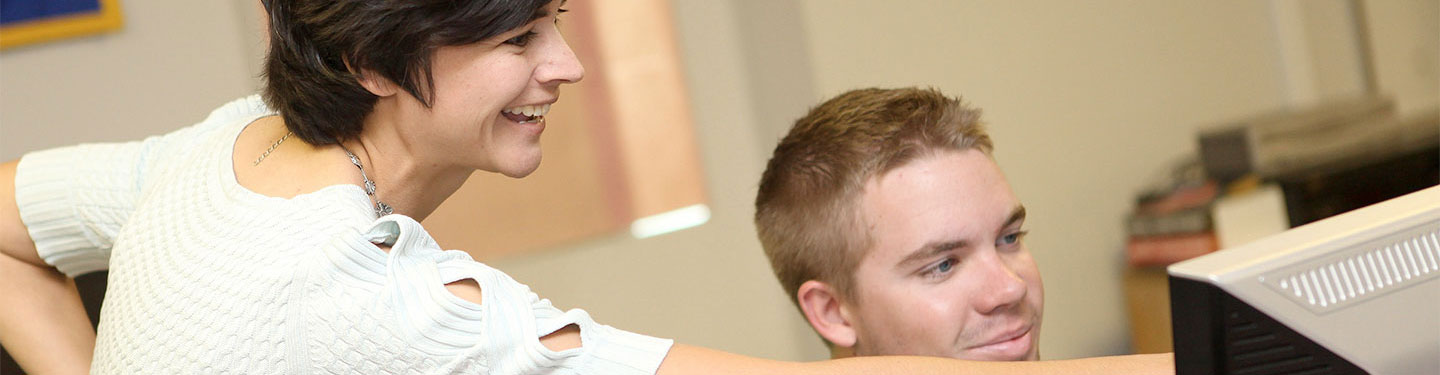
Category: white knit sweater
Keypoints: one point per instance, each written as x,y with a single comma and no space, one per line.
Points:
209,277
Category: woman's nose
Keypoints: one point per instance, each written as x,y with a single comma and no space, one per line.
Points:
560,65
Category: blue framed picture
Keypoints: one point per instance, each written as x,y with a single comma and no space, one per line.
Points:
25,22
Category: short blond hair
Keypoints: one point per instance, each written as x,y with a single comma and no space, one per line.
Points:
806,211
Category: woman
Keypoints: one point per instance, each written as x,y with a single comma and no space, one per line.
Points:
282,235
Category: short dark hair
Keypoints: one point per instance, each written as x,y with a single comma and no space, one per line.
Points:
806,209
319,47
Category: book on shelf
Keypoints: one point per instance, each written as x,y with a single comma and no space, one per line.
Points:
1159,251
1181,210
1185,221
1172,223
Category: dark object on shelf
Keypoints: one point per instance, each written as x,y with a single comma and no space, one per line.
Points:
1331,158
1355,130
1320,194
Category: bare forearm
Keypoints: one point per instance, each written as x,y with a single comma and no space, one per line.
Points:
42,322
1132,364
692,360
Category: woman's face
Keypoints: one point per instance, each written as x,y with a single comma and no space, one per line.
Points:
491,98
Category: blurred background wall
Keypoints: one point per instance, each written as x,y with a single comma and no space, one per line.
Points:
1084,100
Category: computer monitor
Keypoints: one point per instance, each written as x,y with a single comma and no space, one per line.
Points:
1357,293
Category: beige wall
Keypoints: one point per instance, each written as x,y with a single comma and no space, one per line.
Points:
1404,37
1085,99
173,62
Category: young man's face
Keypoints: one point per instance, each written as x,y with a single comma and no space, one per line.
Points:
947,274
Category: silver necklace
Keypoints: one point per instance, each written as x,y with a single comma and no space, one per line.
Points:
381,209
271,149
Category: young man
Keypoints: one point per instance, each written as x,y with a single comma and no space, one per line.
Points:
895,233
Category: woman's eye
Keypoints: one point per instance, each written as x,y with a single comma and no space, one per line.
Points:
522,39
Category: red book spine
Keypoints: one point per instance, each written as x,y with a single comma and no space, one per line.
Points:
1165,250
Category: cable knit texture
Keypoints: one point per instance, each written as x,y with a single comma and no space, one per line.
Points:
209,277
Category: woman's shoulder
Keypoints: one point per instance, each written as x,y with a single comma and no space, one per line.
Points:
243,108
226,121
223,123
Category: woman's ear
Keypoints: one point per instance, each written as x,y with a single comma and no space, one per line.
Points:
826,313
373,82
376,83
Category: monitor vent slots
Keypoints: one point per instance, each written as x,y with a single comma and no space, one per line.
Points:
1374,269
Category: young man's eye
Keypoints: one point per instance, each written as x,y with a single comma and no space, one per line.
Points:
522,39
941,269
1011,239
945,266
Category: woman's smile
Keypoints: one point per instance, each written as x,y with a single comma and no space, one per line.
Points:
527,114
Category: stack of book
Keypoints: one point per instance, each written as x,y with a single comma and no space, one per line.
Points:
1172,222
1329,158
1326,159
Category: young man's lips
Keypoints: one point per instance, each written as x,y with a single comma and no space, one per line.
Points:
1013,346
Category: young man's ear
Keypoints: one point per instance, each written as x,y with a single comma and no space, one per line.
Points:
825,312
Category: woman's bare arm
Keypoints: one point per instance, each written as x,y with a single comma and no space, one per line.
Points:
42,322
684,360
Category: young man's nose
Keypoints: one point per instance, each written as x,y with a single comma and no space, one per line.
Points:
1001,287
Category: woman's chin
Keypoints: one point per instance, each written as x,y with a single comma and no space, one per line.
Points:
520,169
